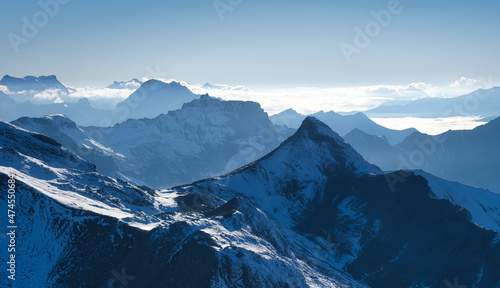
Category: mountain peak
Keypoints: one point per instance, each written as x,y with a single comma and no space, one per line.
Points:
152,84
289,111
361,115
314,147
208,86
314,129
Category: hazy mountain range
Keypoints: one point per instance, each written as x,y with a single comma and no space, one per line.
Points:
466,156
343,124
482,102
206,137
151,99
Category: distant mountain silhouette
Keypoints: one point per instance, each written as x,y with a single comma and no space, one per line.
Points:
343,124
155,97
33,83
482,102
467,156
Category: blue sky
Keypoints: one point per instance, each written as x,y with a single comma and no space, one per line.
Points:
257,43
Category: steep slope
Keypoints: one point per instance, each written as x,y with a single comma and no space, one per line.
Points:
81,229
385,234
76,139
374,149
483,205
286,180
297,170
153,98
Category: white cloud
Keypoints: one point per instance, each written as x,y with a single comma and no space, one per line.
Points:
90,92
431,126
49,95
131,84
463,82
210,87
312,99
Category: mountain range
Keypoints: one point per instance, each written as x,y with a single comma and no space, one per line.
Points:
207,137
311,213
149,100
343,124
482,102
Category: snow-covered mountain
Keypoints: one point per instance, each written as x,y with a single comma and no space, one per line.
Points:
386,230
207,137
312,213
82,229
343,124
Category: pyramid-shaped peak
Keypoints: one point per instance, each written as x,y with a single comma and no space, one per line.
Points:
314,129
313,147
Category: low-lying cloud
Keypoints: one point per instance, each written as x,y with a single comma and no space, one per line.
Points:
463,81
